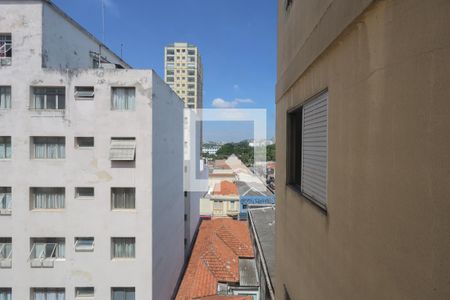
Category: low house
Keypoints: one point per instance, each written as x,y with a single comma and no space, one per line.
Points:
252,193
222,201
222,264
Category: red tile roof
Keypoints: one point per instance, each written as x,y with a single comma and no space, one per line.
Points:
215,258
217,297
225,188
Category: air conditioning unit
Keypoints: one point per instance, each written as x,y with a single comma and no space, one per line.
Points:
5,212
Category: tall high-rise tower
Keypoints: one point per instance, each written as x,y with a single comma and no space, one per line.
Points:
183,71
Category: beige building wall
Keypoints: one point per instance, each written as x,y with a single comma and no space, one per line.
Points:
385,233
184,73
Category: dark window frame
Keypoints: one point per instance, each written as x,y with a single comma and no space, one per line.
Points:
294,130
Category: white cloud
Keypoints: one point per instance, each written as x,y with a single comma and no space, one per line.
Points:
221,103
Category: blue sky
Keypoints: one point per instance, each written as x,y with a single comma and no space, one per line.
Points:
236,38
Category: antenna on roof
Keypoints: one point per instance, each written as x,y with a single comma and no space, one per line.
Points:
103,21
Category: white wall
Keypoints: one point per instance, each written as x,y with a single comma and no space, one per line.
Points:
66,45
168,197
24,24
79,168
159,240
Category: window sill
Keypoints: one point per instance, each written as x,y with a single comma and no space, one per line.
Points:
48,210
84,198
123,258
47,159
123,210
322,207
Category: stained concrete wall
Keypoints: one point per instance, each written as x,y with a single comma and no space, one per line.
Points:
80,168
157,174
67,45
168,196
385,232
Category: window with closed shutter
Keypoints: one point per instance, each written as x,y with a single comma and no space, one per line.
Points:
122,149
314,148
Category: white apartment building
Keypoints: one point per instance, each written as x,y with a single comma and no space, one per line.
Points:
183,72
91,166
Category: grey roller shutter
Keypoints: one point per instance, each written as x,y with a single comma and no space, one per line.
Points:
315,148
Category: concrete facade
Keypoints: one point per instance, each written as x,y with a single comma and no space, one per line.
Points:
384,231
49,49
183,72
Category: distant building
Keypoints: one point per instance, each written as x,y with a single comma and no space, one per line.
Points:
184,73
222,263
210,149
363,144
251,193
91,165
262,231
223,201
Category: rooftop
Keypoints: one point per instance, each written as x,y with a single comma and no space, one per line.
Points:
252,189
215,258
225,188
262,221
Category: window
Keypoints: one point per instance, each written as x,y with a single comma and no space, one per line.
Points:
5,253
123,247
191,86
84,192
123,198
123,294
48,293
5,201
122,149
5,294
169,72
191,72
191,79
5,147
170,52
5,49
191,52
84,92
287,4
47,198
192,59
123,98
170,58
48,147
84,292
191,100
308,148
170,66
191,93
50,98
84,244
84,142
5,98
47,248
169,79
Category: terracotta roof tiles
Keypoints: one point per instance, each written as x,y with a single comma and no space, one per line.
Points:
215,258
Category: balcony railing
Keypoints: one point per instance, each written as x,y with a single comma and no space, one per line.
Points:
45,258
5,256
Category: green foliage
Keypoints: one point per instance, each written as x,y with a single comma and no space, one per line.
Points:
270,152
243,151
